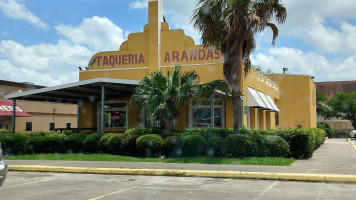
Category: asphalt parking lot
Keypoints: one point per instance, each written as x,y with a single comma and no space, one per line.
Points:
35,185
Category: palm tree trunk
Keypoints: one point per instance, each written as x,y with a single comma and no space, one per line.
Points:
239,82
169,125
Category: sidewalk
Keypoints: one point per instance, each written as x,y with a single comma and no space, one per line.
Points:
336,156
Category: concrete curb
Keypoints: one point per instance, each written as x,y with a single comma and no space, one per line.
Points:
190,173
352,144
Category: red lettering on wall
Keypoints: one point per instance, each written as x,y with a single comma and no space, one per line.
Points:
201,54
131,59
184,56
118,62
193,54
135,58
175,55
210,55
217,54
141,59
98,58
167,58
124,59
105,61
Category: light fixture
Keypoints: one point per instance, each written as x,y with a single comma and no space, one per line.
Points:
284,70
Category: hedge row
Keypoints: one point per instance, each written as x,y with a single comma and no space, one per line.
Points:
297,143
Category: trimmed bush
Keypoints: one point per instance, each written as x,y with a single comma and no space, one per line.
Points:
128,146
13,144
74,143
91,143
149,145
166,135
172,147
328,130
114,143
193,145
209,132
103,142
213,146
277,146
259,147
302,141
143,131
43,144
237,146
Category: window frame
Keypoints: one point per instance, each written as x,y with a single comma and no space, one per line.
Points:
200,106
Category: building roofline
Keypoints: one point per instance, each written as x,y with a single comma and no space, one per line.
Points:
20,84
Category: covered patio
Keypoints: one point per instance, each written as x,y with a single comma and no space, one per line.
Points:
93,90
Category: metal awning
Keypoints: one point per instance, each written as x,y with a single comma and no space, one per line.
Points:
269,98
265,100
82,91
260,100
253,99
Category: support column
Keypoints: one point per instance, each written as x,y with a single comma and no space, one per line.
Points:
13,115
78,115
102,107
212,114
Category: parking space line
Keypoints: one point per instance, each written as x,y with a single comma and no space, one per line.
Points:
266,190
116,192
10,186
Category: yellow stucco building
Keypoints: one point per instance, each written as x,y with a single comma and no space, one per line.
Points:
270,100
159,48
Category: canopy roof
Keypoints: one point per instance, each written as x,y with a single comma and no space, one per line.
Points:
82,91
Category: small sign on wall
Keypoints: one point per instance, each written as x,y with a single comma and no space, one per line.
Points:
246,110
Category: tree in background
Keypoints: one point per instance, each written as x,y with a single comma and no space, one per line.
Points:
343,106
161,97
230,26
321,106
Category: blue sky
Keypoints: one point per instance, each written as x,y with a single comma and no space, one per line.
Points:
44,41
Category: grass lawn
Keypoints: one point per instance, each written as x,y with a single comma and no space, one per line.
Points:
202,160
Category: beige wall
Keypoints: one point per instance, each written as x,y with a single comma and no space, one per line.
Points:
41,113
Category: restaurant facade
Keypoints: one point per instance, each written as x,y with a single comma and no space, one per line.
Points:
104,89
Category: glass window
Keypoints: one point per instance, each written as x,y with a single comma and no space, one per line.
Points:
28,126
4,126
51,126
115,115
200,113
69,125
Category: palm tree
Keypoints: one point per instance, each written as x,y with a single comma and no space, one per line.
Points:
230,25
161,97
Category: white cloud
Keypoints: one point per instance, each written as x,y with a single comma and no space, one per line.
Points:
13,9
44,64
97,32
54,64
312,63
138,4
308,21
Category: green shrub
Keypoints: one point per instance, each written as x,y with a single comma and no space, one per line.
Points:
302,141
91,143
3,131
328,130
237,146
277,146
13,144
143,131
45,144
149,145
213,146
172,147
74,143
259,147
193,145
166,135
128,146
208,132
114,143
103,142
35,133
